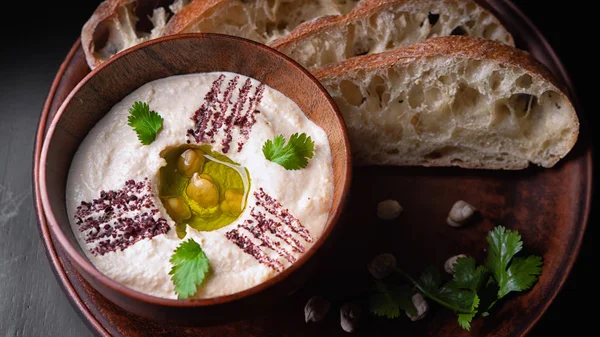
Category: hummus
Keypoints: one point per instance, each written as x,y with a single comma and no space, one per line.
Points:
285,213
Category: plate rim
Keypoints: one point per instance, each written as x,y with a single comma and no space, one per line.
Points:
94,324
49,248
584,130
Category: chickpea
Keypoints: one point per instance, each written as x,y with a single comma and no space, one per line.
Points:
207,177
421,305
349,316
460,214
449,264
178,209
190,162
316,309
388,209
232,205
203,190
382,266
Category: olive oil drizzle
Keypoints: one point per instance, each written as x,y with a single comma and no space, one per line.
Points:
242,171
205,196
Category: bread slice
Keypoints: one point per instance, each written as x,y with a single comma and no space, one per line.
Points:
452,101
376,26
119,24
258,20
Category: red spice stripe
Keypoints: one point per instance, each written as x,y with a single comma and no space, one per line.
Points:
214,116
254,101
219,116
204,114
250,248
259,231
247,120
276,228
266,226
273,207
114,221
235,112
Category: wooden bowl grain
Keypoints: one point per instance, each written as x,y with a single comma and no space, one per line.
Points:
108,84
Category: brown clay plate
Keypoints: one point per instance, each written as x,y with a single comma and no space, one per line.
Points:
550,208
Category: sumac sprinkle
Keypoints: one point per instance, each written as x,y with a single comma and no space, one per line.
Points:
118,219
274,229
247,246
274,208
219,116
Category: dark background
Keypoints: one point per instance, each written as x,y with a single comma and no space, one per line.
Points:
36,36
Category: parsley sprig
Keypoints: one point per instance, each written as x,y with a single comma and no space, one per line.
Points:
190,268
145,122
511,273
292,156
388,299
473,289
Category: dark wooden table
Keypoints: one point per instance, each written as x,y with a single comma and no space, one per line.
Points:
32,303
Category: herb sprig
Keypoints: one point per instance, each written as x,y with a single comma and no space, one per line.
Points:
190,268
145,122
292,156
388,299
473,289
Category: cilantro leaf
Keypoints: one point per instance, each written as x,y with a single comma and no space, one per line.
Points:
476,289
381,304
459,300
190,267
464,320
387,300
516,276
503,245
467,275
145,123
467,280
292,156
523,273
449,295
488,296
430,280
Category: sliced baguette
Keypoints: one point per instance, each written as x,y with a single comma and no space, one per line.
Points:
258,20
376,26
452,101
119,24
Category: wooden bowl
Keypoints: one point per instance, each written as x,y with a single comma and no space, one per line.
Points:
108,84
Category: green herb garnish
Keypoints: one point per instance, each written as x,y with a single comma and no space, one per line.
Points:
388,300
292,156
475,289
190,267
511,273
145,122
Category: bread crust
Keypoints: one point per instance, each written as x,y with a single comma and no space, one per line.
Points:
103,12
364,8
189,15
464,47
460,47
444,162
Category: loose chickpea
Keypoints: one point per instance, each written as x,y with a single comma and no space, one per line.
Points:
460,214
388,209
178,209
421,305
203,190
190,162
449,264
232,205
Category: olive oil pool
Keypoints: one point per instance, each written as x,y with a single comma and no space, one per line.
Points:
202,189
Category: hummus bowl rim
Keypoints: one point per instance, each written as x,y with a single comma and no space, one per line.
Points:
82,263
